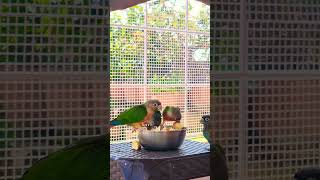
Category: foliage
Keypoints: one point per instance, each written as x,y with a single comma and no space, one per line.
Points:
47,30
126,57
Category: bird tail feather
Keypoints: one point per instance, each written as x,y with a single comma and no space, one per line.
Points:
115,122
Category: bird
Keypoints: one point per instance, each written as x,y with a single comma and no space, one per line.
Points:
85,159
171,113
137,116
155,120
218,159
206,131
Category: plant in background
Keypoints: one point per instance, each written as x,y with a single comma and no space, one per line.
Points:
42,29
165,49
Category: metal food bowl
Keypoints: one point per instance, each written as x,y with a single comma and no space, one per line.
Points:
161,140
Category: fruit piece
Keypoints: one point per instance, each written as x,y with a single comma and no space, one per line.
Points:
136,145
177,126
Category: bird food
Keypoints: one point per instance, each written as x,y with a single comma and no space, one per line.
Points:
177,126
136,145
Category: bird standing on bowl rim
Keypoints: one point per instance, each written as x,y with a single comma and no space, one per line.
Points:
137,116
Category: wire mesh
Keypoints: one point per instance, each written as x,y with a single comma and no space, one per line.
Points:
275,127
226,119
288,44
282,127
41,116
53,78
225,26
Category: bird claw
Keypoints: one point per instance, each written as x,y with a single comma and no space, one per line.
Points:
146,125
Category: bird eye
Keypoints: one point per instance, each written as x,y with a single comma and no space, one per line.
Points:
207,119
155,104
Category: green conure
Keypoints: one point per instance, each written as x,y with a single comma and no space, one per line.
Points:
137,116
207,131
86,159
218,160
171,113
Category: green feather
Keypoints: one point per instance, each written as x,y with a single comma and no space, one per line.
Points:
87,159
132,115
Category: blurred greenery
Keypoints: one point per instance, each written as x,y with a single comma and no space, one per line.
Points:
49,33
27,26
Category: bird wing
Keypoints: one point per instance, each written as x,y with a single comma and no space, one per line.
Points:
132,115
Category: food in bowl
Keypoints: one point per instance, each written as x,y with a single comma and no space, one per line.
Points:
177,126
174,127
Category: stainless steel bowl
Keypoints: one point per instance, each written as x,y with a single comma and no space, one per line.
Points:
161,140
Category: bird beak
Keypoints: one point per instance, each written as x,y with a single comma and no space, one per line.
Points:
160,107
201,121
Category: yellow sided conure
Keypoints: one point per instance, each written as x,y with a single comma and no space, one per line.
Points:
138,116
